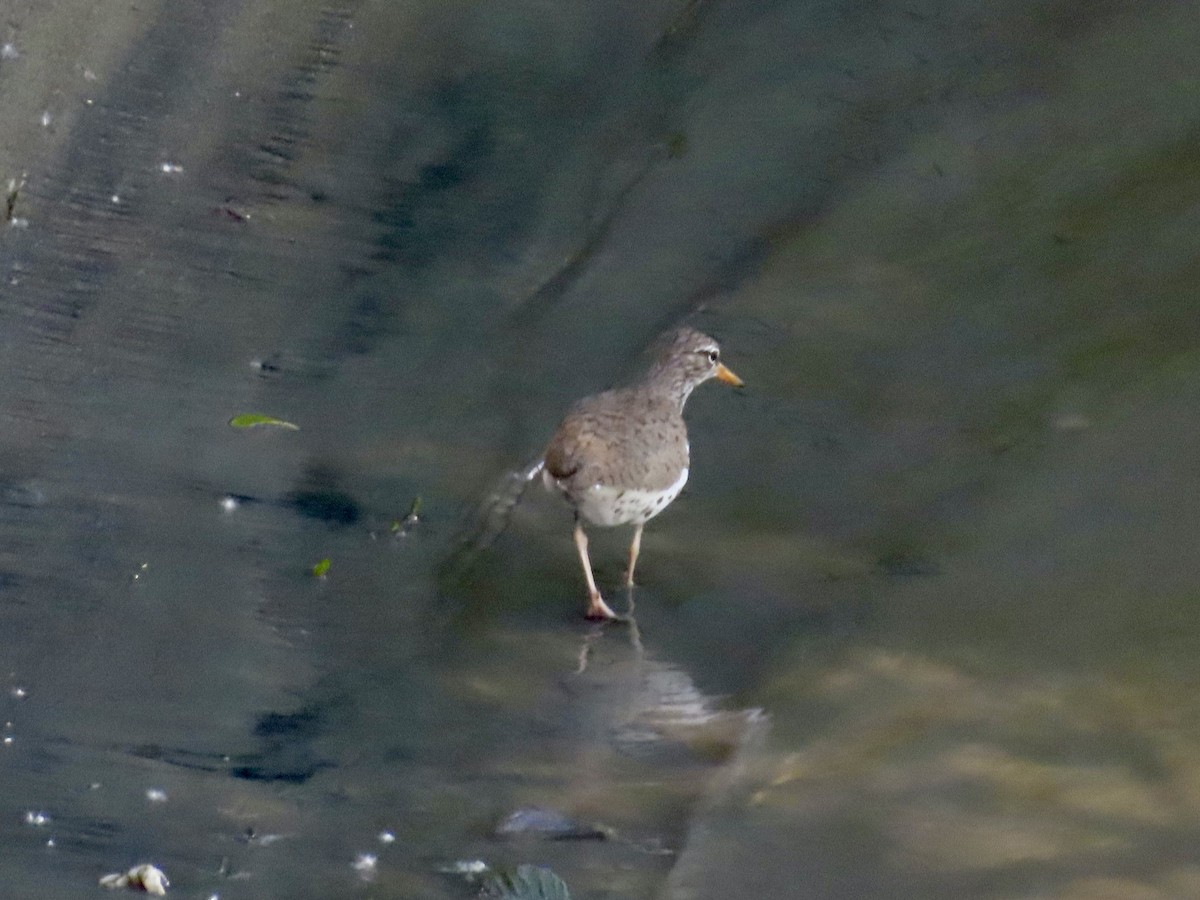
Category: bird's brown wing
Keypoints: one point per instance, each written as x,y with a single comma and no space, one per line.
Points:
591,445
583,441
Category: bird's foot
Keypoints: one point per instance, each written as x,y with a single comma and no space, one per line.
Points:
599,610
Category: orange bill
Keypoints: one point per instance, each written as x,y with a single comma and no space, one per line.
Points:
726,375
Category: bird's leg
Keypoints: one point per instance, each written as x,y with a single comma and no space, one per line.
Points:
635,547
597,608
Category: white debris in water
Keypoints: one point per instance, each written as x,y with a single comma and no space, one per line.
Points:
8,740
156,795
1072,422
365,865
387,837
144,877
9,51
36,819
19,693
115,198
229,503
89,75
46,118
170,168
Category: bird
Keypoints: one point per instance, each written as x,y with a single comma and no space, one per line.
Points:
620,457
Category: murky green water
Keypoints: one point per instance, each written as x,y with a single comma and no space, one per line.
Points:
923,624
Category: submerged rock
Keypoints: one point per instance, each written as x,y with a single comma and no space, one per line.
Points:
144,877
548,824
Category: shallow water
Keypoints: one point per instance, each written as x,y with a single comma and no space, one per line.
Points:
921,624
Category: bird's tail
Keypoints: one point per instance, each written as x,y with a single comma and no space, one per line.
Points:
493,515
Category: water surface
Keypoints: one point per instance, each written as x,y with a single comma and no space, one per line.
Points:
921,625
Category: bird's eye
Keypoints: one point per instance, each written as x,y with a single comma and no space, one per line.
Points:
714,356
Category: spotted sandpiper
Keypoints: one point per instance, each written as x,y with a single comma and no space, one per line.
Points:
621,457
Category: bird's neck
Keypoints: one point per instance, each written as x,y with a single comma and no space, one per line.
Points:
667,385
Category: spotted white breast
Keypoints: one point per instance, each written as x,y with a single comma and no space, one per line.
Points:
606,505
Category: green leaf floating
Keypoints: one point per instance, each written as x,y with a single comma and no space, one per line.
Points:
526,883
250,420
322,567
